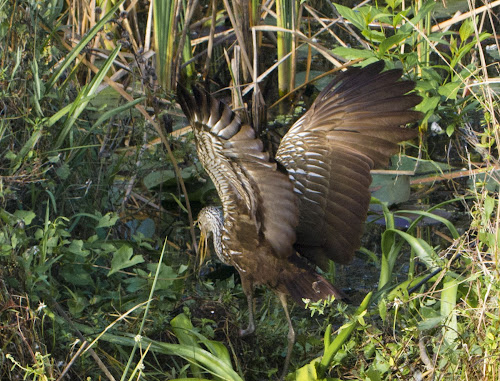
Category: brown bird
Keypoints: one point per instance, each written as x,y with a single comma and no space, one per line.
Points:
282,217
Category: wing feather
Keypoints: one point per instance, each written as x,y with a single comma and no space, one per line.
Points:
256,198
352,127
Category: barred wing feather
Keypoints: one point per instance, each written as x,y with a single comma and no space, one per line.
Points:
256,198
353,126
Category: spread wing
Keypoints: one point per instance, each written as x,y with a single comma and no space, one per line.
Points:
352,127
256,198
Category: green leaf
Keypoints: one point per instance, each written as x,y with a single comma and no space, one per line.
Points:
156,178
373,35
76,247
88,90
63,171
450,89
450,129
117,110
82,44
466,29
430,323
219,350
353,16
423,250
422,12
76,303
183,330
390,188
182,327
428,105
147,228
421,213
307,373
26,149
124,257
448,304
393,3
373,374
391,41
351,53
77,275
489,206
166,277
109,219
382,308
25,215
344,333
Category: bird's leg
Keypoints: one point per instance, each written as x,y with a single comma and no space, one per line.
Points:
291,335
248,290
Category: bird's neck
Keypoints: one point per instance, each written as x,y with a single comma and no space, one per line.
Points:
217,239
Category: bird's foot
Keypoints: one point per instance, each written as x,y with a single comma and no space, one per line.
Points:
248,330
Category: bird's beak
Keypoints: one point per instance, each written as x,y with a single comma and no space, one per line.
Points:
202,248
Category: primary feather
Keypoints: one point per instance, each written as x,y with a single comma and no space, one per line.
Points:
318,208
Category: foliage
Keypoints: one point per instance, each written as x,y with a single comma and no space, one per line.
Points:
90,187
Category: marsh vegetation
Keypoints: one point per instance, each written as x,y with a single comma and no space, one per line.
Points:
100,185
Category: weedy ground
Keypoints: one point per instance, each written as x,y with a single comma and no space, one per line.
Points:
98,274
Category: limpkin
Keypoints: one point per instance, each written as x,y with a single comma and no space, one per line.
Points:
281,217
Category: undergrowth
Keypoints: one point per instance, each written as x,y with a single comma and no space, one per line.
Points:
97,249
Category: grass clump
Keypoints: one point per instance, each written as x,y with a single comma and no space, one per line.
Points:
91,184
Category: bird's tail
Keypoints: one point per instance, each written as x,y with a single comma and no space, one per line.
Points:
303,283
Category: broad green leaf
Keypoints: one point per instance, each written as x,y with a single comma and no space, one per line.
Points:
423,250
448,304
190,353
147,228
182,327
422,12
390,188
25,215
183,330
307,373
374,374
156,178
449,225
352,53
391,41
109,219
393,3
430,323
218,349
166,277
450,89
489,206
76,247
124,257
77,275
466,29
344,333
353,16
428,105
450,129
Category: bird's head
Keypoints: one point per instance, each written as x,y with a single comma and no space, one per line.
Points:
210,221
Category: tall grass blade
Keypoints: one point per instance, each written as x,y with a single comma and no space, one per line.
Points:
81,45
87,91
165,35
344,333
192,354
448,304
285,13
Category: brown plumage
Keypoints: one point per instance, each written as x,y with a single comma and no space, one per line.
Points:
316,209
